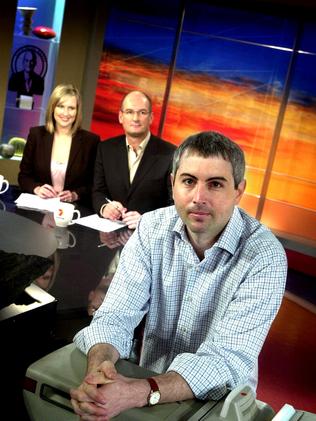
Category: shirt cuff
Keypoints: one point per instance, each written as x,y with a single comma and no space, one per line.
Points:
102,208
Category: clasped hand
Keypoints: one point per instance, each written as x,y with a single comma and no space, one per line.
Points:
46,191
103,394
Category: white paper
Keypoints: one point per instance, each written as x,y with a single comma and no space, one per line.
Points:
100,224
31,201
26,102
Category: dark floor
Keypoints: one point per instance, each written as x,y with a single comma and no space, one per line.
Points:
302,285
45,337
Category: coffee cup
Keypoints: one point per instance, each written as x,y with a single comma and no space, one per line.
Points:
64,214
4,184
64,238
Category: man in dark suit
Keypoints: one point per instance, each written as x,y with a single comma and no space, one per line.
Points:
132,176
132,171
27,81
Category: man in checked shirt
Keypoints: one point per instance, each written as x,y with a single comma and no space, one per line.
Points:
208,277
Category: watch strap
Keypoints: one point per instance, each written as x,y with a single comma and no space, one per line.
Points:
154,395
153,384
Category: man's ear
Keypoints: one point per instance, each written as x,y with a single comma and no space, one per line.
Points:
172,182
120,117
240,191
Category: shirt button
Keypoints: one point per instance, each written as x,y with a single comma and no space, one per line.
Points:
189,299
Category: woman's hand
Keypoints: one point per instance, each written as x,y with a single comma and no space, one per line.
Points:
68,196
45,191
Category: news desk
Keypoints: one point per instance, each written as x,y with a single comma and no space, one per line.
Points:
51,310
78,262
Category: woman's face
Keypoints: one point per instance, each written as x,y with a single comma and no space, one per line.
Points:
65,112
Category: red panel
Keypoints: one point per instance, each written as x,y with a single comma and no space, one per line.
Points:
301,262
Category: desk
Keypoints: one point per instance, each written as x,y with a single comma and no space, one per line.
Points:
46,394
78,266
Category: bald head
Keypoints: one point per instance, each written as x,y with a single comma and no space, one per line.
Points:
29,60
136,116
137,95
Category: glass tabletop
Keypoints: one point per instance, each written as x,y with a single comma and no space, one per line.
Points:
78,264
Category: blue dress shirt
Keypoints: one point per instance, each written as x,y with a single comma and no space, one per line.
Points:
206,320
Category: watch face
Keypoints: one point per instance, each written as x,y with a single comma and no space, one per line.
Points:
154,398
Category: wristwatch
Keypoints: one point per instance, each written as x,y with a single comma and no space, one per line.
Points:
154,395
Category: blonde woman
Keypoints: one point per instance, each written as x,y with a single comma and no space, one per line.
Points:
58,158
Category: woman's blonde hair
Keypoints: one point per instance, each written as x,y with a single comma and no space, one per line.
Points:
58,93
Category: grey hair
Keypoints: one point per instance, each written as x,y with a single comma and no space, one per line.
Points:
211,143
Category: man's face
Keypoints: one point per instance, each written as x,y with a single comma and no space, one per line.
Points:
204,195
135,115
28,62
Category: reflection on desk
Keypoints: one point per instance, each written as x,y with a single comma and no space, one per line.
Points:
17,272
21,235
32,298
78,263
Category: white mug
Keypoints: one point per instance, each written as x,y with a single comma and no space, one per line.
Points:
64,213
64,238
5,183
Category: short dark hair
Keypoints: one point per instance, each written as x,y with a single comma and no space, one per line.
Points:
211,143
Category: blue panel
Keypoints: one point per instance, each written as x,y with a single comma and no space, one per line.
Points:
309,39
143,30
45,15
233,61
17,122
303,87
240,25
140,40
163,13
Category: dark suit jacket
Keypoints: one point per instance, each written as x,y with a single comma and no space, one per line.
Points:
150,188
17,83
35,164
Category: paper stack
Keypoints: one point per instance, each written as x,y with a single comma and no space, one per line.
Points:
31,201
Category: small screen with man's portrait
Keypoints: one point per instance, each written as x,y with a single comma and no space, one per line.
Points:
28,70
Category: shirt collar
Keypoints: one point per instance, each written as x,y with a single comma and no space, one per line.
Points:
229,238
142,145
